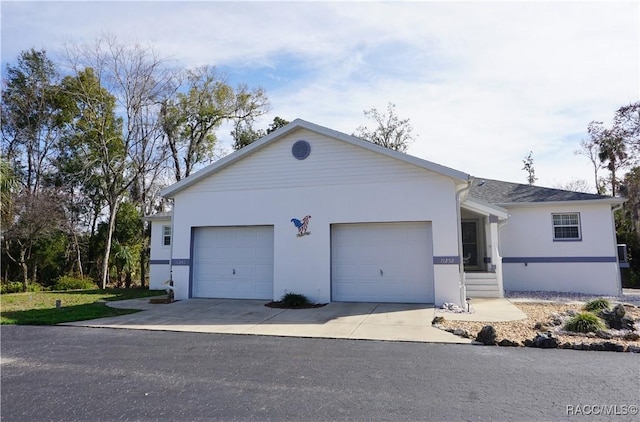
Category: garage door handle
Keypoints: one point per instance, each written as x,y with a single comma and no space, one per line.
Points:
381,272
234,271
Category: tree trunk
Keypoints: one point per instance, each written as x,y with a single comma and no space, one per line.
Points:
78,255
143,267
25,269
144,253
127,279
113,209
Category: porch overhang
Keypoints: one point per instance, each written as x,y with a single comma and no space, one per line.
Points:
485,209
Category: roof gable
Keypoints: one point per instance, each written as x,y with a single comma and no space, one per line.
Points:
499,192
290,130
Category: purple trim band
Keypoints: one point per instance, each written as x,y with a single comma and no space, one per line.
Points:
557,259
159,262
446,260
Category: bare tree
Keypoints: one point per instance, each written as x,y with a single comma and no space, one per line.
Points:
390,131
575,185
589,149
528,167
37,216
139,81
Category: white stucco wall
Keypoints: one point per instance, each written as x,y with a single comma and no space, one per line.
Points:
159,271
529,234
337,183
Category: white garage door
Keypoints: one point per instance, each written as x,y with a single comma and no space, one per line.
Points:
233,262
382,262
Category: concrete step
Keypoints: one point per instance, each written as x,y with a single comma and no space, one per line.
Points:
480,276
482,284
483,293
482,287
474,282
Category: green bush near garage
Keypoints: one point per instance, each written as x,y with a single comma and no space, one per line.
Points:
584,322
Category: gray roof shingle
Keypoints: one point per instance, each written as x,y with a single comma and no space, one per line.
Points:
498,192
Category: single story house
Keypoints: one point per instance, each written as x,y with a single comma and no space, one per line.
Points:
310,210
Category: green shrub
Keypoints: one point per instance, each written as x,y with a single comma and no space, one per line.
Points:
295,300
597,305
11,287
65,282
35,287
16,287
584,322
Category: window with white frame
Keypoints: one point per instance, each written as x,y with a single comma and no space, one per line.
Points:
566,226
166,235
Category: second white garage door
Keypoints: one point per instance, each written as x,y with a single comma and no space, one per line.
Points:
382,262
233,262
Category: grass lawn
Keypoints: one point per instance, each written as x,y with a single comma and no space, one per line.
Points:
39,308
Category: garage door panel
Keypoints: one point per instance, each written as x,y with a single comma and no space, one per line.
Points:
370,272
264,272
403,251
264,289
264,255
233,262
363,255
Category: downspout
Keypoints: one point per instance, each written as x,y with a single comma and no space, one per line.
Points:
171,286
462,284
615,244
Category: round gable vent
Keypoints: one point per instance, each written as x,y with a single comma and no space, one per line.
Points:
301,150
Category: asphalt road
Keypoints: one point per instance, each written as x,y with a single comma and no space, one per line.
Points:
85,374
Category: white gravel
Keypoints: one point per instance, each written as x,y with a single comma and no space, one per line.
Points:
544,296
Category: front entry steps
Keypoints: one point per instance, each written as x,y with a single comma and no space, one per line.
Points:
481,284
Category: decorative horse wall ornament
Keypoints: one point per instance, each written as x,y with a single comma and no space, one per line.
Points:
302,225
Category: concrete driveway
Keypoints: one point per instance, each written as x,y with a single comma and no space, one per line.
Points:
364,321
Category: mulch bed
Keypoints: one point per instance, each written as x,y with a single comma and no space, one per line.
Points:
281,305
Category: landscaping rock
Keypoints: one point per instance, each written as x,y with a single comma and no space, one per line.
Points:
631,336
571,312
607,346
596,347
615,318
461,332
541,326
604,334
487,335
628,324
452,307
633,349
508,343
556,319
437,320
543,341
615,347
579,346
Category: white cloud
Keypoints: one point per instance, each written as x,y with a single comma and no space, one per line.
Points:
482,82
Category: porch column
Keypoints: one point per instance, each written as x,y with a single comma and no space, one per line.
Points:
496,259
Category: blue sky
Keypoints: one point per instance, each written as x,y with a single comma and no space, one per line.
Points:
483,83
